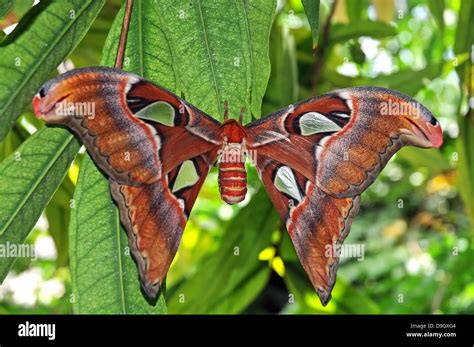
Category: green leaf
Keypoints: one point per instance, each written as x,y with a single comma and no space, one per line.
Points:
437,10
229,280
374,29
104,275
234,66
28,179
5,7
311,7
30,53
58,213
283,85
258,19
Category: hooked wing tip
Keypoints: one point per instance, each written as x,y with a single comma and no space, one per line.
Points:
151,290
324,297
324,291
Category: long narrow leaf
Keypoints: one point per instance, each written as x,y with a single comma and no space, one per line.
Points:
311,7
28,179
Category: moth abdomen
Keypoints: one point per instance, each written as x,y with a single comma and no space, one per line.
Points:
232,173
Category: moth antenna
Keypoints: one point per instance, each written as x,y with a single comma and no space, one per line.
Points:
123,35
226,110
241,115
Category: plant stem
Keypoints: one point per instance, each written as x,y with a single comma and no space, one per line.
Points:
123,35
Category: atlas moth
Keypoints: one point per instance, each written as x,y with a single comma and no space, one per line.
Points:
315,158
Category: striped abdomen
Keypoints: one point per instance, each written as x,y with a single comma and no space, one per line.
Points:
232,174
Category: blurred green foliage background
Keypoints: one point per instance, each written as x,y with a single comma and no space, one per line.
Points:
416,220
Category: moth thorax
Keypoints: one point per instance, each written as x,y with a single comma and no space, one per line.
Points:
232,174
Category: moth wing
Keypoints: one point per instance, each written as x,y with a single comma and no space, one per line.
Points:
315,158
155,147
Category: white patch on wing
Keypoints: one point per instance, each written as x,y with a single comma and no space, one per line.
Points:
319,148
346,95
269,137
131,81
314,123
342,115
285,182
275,136
187,176
160,111
181,204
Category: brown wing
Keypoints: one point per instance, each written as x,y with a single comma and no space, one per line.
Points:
156,149
316,158
316,222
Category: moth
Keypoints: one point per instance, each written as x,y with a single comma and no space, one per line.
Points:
315,158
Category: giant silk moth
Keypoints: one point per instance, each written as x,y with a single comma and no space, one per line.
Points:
315,158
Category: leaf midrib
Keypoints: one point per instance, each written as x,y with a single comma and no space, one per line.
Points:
252,58
33,188
42,59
